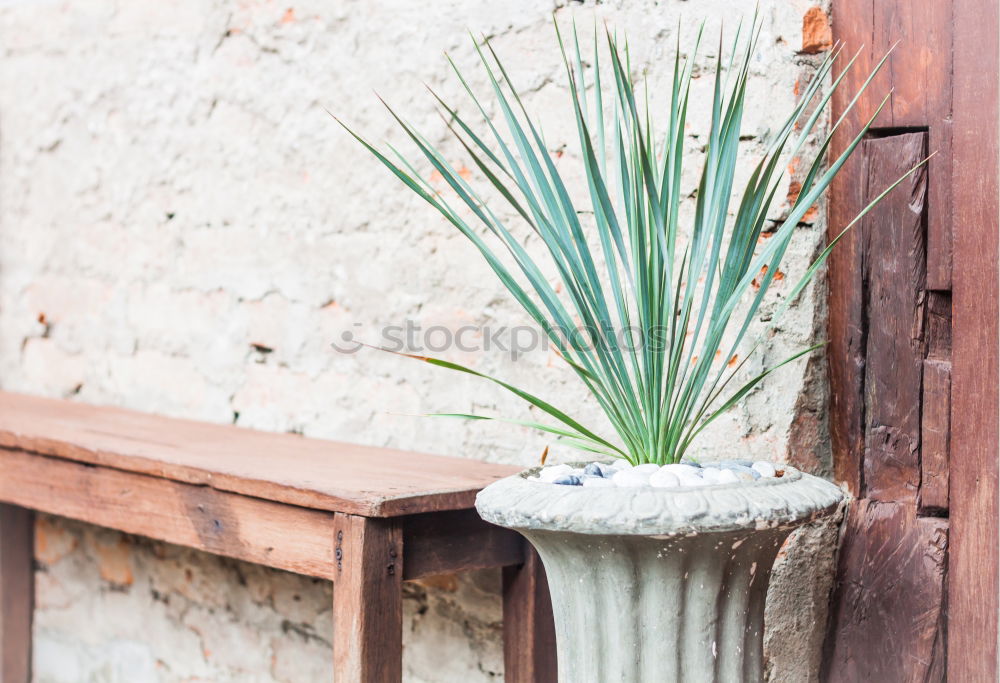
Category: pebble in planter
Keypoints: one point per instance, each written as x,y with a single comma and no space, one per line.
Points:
658,567
675,475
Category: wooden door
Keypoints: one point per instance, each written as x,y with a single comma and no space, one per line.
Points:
913,349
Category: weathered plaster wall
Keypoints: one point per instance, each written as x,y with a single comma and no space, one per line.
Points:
184,230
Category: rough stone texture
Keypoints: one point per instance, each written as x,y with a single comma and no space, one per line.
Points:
184,230
183,615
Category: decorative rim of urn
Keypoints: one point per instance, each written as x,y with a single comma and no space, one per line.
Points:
519,502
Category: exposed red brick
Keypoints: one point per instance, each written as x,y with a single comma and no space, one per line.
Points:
52,542
794,188
445,582
816,33
115,562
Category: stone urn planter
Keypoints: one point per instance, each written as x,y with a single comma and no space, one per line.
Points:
655,585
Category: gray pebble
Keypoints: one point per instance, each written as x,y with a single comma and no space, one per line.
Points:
570,480
744,469
593,470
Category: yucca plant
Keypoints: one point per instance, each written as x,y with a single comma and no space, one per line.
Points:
690,287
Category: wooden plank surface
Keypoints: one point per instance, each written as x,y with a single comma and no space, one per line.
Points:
17,589
887,616
287,468
445,542
367,600
919,72
529,635
851,22
893,273
261,531
973,604
935,437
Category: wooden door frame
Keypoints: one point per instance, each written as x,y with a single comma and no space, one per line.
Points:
944,76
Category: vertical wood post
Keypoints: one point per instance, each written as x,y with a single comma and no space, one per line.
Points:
973,562
367,600
529,637
17,586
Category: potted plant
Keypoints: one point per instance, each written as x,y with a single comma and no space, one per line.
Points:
658,565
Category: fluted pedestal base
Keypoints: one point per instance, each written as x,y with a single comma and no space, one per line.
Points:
664,610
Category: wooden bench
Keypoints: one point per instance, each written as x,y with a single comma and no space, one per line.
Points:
365,518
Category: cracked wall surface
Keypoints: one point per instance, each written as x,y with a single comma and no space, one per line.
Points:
184,230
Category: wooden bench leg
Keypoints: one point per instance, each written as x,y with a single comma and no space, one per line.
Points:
17,591
367,600
529,637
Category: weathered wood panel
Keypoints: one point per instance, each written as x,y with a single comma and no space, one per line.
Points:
893,280
287,468
888,603
852,27
935,437
975,434
444,542
367,600
261,531
919,74
17,590
888,620
529,633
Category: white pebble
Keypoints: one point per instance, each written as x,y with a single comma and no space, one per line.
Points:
765,468
630,478
621,465
710,475
554,472
648,468
692,480
664,478
597,482
727,477
679,468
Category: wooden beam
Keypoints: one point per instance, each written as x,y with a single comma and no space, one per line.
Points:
446,542
919,72
888,613
261,531
367,600
893,270
852,27
17,590
973,605
935,431
529,638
